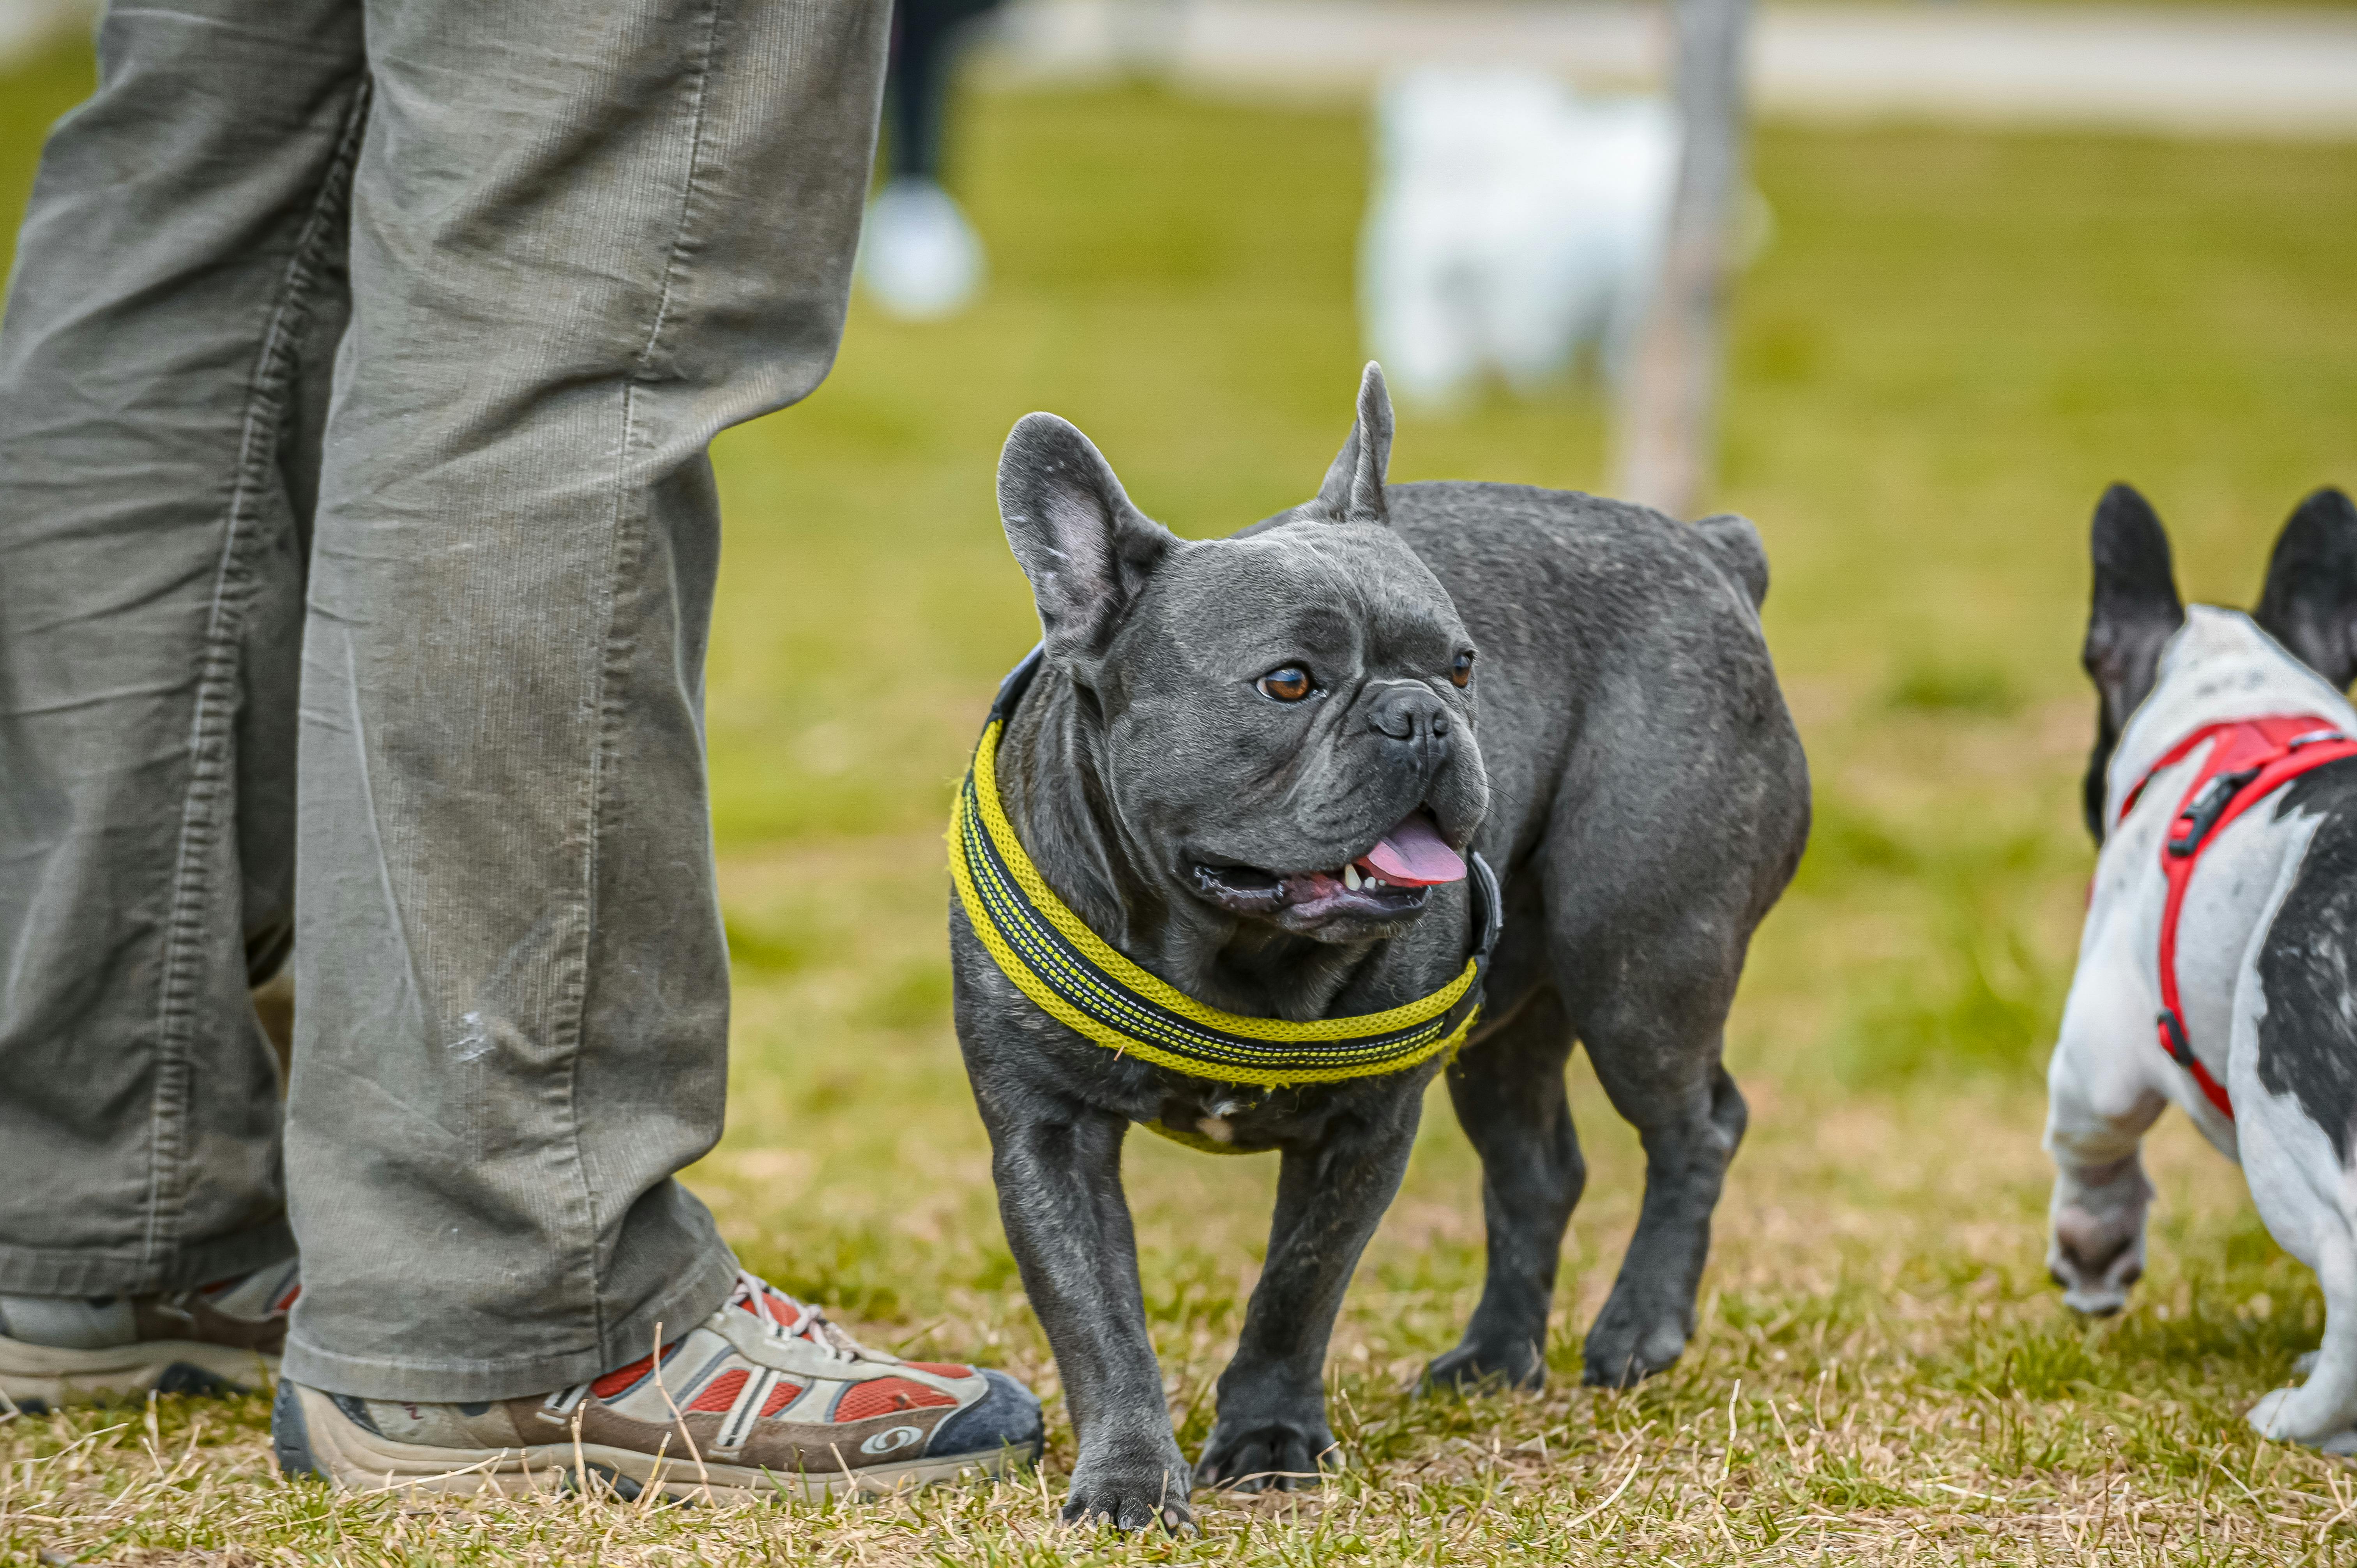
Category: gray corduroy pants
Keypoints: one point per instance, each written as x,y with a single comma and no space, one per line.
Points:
357,545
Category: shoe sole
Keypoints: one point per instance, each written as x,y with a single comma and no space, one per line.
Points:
314,1438
42,1377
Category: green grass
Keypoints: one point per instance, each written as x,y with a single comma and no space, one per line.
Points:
1954,343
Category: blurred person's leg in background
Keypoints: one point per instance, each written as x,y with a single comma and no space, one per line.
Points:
926,39
920,259
581,242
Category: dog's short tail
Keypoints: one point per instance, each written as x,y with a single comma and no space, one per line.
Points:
1735,544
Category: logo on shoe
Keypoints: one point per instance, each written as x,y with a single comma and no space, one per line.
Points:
890,1438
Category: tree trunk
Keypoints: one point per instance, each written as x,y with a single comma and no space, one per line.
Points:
1666,425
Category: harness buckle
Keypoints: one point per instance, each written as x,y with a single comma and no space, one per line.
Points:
2202,814
2172,1039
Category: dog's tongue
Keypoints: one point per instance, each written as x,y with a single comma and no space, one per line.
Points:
1413,854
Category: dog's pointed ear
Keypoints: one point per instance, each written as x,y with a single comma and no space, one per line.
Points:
2135,613
2309,603
2136,609
1353,491
1086,549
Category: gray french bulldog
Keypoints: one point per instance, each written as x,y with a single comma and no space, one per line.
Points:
1251,765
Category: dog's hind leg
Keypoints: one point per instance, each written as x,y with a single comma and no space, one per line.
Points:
2302,1184
1654,1040
2322,1410
1650,1315
2295,1034
1509,1094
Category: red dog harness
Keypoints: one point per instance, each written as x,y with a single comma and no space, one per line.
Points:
2253,758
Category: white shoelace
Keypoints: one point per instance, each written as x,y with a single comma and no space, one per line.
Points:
809,1324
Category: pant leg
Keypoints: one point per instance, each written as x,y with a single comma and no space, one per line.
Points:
163,369
584,239
925,48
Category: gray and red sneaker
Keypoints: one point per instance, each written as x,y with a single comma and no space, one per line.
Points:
222,1338
765,1396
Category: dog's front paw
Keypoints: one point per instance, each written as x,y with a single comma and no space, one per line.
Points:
2267,1417
2283,1416
1251,1457
1132,1496
1474,1366
2280,1415
1625,1348
2096,1256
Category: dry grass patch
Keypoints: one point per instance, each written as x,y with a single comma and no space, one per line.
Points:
1881,1374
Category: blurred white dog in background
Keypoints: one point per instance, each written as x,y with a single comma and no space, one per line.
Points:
1513,222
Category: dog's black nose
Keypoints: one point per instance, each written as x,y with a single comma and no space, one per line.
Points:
1413,717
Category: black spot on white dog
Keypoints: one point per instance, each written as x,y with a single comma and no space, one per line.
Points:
2308,969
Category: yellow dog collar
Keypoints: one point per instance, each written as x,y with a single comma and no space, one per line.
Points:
1078,978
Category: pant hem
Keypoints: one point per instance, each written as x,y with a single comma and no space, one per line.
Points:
129,1271
453,1378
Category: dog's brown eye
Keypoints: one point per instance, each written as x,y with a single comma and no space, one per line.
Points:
1289,684
1460,674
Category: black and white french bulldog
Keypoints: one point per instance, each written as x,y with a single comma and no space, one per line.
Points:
1226,742
2266,939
